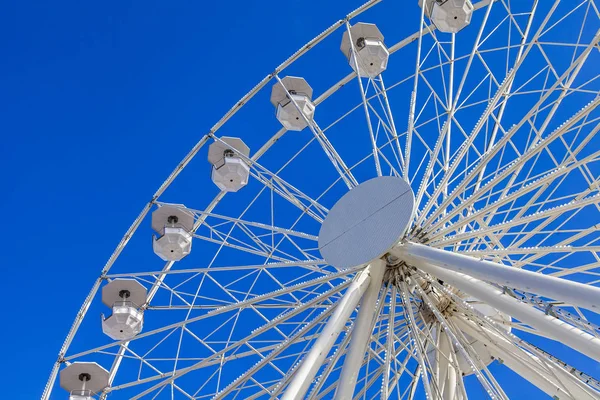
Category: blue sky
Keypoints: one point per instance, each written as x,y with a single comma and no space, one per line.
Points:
99,102
91,93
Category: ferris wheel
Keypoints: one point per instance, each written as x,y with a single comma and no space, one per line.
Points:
335,236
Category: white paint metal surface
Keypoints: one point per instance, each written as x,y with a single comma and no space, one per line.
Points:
173,245
295,114
70,377
162,215
366,222
110,292
553,327
478,210
217,149
357,31
125,322
361,332
452,16
571,292
290,84
554,381
311,363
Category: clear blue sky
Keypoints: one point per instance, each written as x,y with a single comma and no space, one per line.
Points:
98,102
90,94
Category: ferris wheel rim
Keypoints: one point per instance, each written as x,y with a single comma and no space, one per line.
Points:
211,135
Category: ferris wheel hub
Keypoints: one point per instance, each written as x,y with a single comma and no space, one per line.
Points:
366,222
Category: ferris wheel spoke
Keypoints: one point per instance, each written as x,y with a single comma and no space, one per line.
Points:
532,356
540,250
171,376
503,275
293,196
569,314
279,185
245,295
278,348
572,236
501,244
273,265
449,106
390,118
456,337
544,146
398,373
554,212
332,154
371,376
239,221
222,242
240,305
316,392
387,143
531,364
322,378
326,145
418,345
289,341
412,107
563,246
258,246
523,327
525,236
541,182
370,381
567,76
537,319
355,61
503,104
389,347
267,250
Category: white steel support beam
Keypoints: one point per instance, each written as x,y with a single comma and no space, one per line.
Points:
365,101
570,292
418,346
336,160
558,383
447,372
361,333
553,327
389,346
492,391
311,363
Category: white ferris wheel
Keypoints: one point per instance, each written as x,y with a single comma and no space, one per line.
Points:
426,237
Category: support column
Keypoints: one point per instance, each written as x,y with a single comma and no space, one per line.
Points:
447,371
312,361
450,385
553,327
570,292
528,366
361,333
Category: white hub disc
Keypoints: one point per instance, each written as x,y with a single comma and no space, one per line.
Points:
366,222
